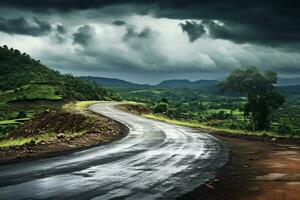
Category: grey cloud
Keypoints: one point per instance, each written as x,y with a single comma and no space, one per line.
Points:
227,31
60,34
133,33
23,27
193,29
274,22
84,35
119,23
61,29
235,32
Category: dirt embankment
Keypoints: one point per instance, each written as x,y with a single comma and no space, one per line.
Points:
61,130
134,108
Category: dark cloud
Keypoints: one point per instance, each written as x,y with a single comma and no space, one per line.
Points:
270,22
133,33
61,29
193,29
84,35
119,23
60,34
22,26
62,4
262,24
226,31
237,33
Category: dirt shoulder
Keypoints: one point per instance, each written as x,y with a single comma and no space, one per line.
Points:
260,168
61,131
257,170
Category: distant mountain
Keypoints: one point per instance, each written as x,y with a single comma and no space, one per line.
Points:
113,82
23,78
176,83
179,83
288,81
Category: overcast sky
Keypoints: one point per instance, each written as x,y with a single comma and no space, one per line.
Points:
149,41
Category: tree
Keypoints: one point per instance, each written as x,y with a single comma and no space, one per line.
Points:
164,100
258,87
160,108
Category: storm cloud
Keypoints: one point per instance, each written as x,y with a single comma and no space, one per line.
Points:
119,23
132,33
155,37
22,26
193,29
274,22
84,35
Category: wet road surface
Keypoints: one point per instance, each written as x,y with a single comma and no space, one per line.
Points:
156,160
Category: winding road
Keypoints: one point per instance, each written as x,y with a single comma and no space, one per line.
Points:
156,160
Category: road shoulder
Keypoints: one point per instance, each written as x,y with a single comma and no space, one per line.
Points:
257,170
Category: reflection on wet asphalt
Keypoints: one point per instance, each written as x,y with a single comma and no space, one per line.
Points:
156,160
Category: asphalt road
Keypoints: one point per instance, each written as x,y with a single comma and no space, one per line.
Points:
156,160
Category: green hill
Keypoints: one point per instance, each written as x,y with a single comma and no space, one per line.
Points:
184,83
23,78
113,82
28,87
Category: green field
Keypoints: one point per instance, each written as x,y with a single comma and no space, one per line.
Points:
205,108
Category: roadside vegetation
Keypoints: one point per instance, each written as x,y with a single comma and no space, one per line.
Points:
231,112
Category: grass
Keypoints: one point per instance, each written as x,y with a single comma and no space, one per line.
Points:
6,122
31,92
195,124
45,137
79,105
13,121
83,105
25,140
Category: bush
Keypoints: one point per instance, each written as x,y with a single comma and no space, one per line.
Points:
284,129
22,114
235,124
160,108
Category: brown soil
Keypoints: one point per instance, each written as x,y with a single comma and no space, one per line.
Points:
257,170
55,121
97,130
134,108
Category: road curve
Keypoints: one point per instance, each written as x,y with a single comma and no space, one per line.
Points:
156,160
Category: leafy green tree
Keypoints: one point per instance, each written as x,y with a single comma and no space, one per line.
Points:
164,100
258,87
160,108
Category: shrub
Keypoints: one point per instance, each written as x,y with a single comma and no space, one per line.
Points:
22,114
160,108
284,129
